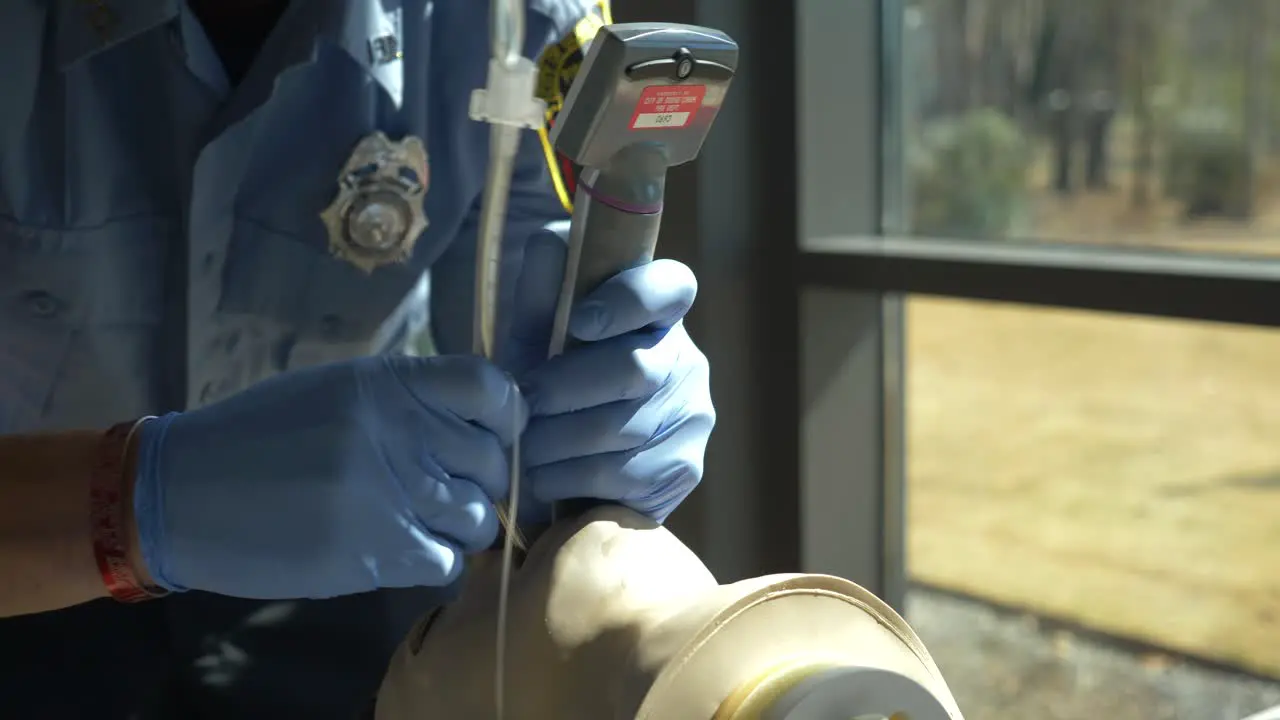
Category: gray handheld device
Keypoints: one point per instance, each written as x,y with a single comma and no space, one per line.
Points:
643,101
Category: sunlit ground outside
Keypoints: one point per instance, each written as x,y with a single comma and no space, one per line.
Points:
1121,472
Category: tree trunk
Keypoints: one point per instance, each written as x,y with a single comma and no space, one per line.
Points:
952,61
976,14
1256,96
1098,159
1066,104
1142,60
1064,142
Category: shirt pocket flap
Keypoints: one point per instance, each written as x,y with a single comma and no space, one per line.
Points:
301,287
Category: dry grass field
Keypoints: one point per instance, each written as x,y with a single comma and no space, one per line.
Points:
1119,472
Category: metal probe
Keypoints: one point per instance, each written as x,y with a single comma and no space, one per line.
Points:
508,104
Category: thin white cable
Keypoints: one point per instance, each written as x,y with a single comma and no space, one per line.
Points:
508,565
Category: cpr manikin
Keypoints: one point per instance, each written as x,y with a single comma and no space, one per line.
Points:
611,616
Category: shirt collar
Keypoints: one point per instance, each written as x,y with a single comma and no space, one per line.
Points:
367,30
371,32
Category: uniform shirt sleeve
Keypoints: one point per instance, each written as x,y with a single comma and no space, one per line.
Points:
540,199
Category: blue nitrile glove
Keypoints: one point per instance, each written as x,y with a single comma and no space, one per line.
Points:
626,416
329,481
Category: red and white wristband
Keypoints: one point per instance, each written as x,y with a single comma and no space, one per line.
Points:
109,500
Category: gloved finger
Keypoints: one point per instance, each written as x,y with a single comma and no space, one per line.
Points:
468,387
631,367
615,427
456,510
655,295
652,480
465,451
429,561
536,295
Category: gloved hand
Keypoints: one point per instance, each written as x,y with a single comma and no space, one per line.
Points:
627,415
328,481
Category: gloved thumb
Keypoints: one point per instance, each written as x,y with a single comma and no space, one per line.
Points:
655,295
537,292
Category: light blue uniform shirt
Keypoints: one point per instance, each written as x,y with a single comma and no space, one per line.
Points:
161,248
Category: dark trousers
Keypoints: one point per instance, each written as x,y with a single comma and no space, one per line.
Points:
197,656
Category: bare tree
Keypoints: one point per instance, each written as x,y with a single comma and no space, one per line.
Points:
976,23
1141,61
1022,22
1102,48
1256,15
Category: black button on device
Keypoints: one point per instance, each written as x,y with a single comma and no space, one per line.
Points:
684,63
41,304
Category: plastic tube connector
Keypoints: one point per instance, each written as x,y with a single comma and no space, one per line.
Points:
508,97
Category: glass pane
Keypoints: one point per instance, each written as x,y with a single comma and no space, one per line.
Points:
1147,122
1097,498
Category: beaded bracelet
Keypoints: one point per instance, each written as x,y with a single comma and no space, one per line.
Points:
107,501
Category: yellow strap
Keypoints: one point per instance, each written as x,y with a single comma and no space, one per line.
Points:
552,70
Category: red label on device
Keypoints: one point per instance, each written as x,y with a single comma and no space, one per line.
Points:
667,106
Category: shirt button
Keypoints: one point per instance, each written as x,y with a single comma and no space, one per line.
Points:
41,304
330,325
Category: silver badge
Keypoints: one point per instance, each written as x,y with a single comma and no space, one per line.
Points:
377,216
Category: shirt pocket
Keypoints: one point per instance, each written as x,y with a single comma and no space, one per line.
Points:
68,298
326,308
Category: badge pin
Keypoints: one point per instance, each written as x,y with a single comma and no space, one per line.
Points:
385,49
377,215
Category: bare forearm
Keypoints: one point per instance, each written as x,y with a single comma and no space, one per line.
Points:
46,540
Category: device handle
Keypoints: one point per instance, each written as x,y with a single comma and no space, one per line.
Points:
617,214
616,218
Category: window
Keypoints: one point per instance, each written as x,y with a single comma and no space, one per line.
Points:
1147,122
1056,304
1093,499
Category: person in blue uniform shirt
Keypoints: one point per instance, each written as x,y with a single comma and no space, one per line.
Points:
235,217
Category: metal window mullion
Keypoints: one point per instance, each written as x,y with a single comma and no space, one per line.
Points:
852,443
